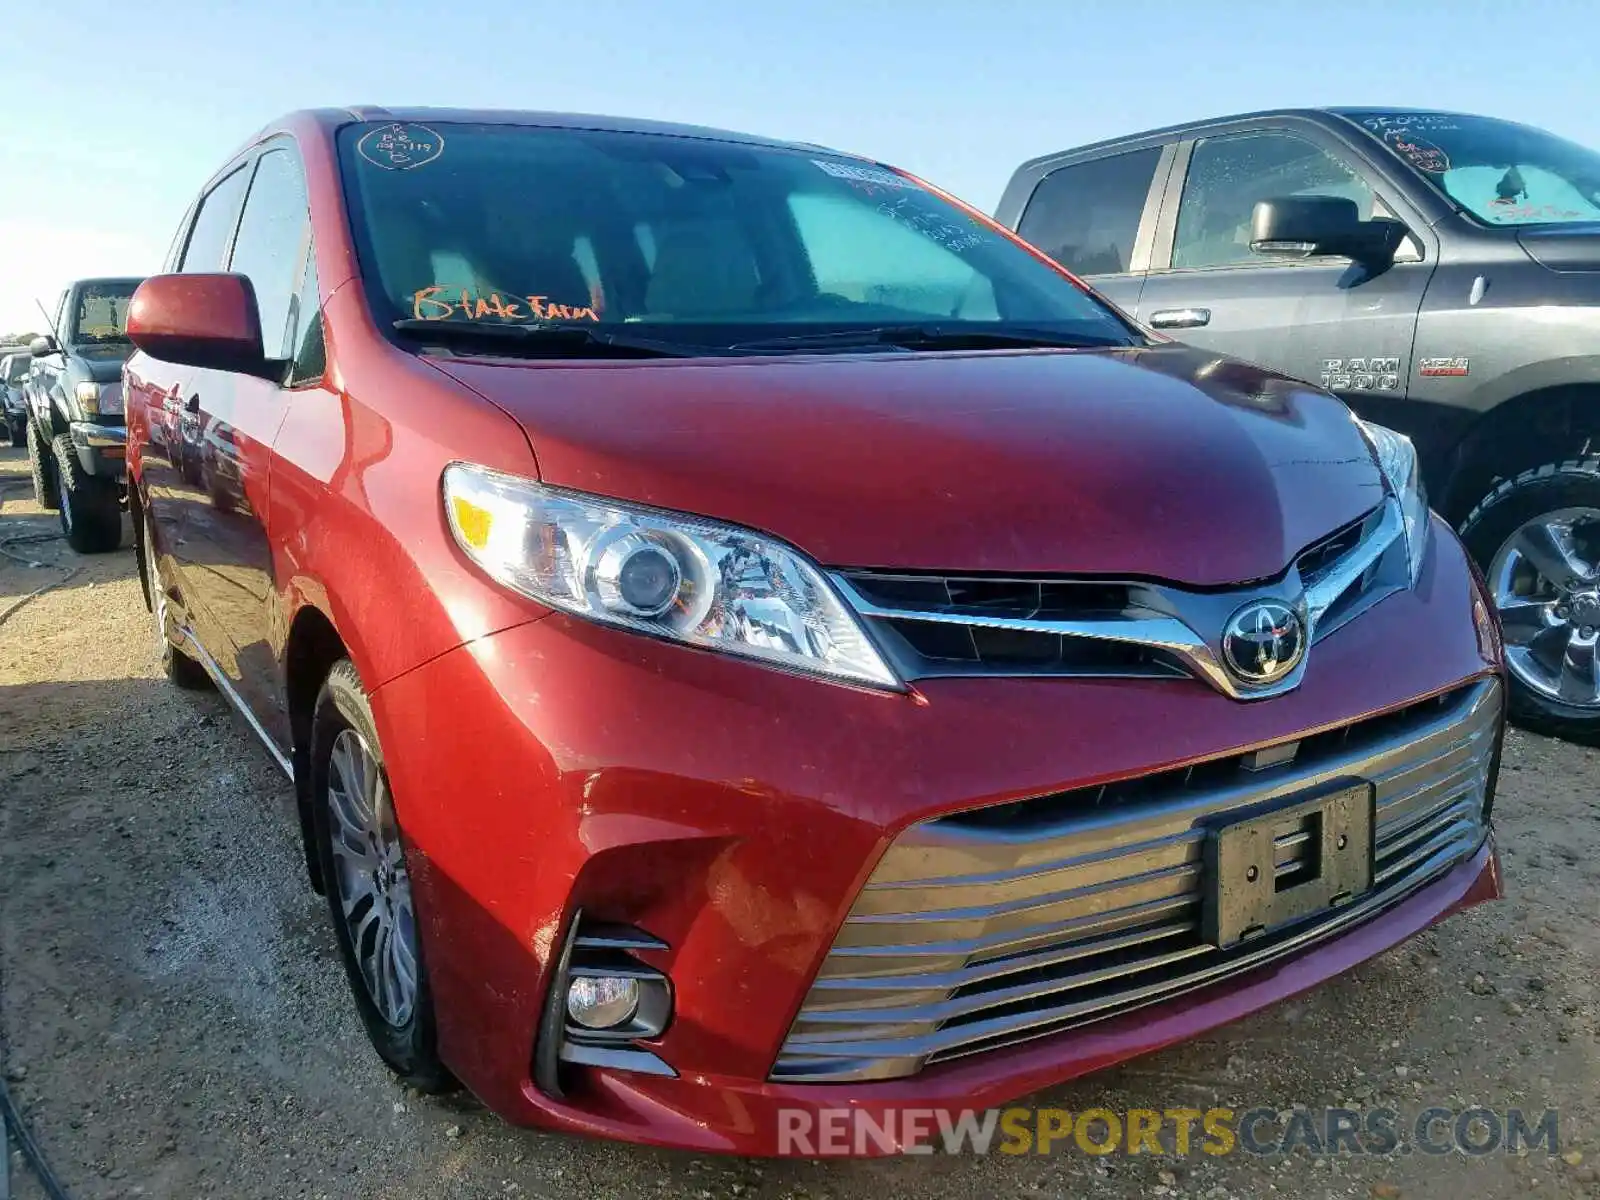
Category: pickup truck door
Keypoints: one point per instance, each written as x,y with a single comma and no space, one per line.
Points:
44,373
1329,321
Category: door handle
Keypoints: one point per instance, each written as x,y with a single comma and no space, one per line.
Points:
193,406
1180,318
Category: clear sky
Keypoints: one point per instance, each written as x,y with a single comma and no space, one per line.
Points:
117,111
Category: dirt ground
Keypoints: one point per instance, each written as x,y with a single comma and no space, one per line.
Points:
174,1021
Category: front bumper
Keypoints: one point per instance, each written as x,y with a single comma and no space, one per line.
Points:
738,815
102,449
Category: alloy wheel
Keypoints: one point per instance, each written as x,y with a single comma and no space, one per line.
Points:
374,889
1546,585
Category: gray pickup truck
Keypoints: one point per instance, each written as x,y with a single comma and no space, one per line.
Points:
77,439
1440,272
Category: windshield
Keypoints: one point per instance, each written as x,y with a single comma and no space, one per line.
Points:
1499,172
102,314
16,367
689,240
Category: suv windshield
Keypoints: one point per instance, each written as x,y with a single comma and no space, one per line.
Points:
691,241
1499,172
16,367
102,315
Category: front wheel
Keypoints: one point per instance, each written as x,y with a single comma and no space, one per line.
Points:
91,510
1537,539
363,859
42,467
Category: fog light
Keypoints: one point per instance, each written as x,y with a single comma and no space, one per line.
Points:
602,1001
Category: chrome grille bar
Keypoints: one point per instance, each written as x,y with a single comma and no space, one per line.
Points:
1118,629
970,935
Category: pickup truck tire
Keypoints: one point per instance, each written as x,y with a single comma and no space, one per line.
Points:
368,885
1537,539
91,510
19,434
43,469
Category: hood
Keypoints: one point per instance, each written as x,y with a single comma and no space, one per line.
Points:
1564,247
1163,463
103,364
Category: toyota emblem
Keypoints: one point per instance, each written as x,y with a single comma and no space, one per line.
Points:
1263,642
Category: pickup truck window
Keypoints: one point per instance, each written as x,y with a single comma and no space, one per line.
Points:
1502,173
1228,176
1086,216
102,314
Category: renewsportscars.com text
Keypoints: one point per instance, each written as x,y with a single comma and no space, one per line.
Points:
1172,1132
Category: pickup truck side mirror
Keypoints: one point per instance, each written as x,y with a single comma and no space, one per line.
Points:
1321,226
209,321
39,347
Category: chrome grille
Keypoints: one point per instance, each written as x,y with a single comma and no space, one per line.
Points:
934,625
1008,923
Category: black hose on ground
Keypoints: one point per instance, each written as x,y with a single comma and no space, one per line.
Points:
30,1149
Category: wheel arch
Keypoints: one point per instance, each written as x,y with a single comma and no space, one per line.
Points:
312,647
1526,430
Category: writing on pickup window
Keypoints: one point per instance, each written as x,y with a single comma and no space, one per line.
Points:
444,304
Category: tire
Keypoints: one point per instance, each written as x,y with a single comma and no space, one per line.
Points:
19,432
91,511
43,469
342,731
1545,620
177,666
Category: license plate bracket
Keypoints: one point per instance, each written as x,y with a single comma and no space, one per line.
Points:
1287,859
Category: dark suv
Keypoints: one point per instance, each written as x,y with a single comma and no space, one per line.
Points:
14,365
76,434
1440,272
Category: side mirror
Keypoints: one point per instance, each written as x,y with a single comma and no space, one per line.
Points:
208,321
43,346
1318,226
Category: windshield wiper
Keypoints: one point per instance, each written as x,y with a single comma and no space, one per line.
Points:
934,337
552,340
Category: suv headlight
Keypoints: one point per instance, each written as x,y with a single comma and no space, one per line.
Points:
675,576
89,398
1397,459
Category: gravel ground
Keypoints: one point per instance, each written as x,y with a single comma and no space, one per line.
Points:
175,1022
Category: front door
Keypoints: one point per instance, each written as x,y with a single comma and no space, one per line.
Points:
226,554
1329,321
170,399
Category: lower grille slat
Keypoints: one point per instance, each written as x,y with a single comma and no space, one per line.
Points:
988,928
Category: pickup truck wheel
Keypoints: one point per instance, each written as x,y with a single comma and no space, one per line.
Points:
177,666
363,857
91,511
1537,538
42,468
19,433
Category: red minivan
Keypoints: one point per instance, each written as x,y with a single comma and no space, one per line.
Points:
750,636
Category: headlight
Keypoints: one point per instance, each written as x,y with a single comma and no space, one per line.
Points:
89,397
680,577
1397,459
